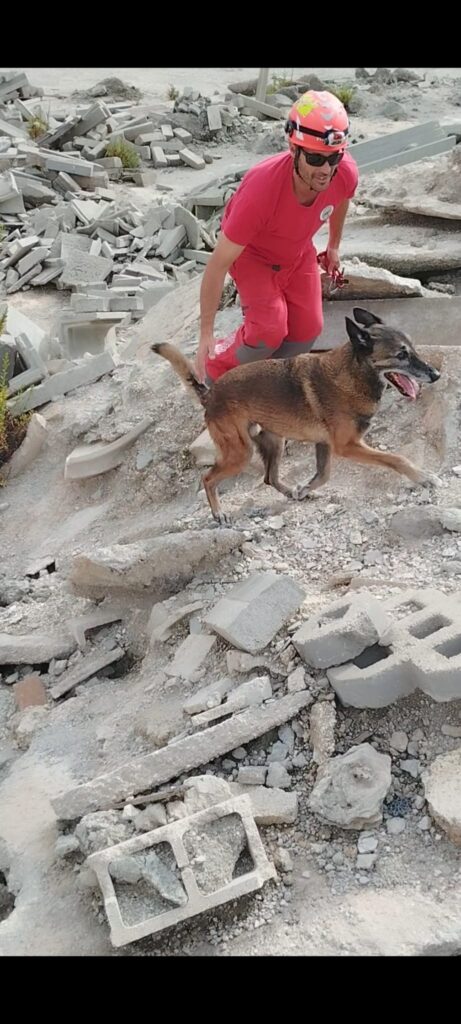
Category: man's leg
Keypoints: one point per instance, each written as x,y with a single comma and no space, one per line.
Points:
303,293
265,322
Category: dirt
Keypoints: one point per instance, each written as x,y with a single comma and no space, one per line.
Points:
325,905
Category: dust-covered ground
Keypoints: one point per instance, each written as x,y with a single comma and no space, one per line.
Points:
346,538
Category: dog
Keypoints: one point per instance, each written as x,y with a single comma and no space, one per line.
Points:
327,398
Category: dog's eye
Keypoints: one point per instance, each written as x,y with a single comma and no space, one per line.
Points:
403,354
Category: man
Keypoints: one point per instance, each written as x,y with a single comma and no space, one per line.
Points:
266,241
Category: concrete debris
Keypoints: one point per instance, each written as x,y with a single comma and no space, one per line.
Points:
277,777
350,789
372,282
168,560
27,724
422,650
269,806
35,648
342,631
322,731
165,615
85,669
247,695
30,448
29,692
92,460
190,655
205,848
162,765
442,789
207,698
253,611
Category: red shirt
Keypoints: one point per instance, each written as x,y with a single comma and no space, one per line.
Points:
265,216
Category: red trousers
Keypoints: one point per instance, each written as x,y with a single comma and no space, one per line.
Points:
282,311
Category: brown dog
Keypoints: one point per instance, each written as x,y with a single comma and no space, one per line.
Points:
327,398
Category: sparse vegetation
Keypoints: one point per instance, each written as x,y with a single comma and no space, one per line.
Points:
126,152
278,82
344,93
3,317
172,93
37,126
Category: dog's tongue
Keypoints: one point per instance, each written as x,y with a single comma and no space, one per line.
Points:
407,384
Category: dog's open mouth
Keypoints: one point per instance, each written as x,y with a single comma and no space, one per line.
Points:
407,386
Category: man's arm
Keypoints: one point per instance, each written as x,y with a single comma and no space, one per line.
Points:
224,255
336,224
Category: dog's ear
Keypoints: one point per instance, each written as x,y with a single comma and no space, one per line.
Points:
359,338
362,316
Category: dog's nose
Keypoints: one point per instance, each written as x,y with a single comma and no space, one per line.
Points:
435,375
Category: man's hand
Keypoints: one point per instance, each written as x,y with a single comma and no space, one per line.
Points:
205,350
332,260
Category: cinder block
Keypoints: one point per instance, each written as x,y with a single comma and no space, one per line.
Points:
422,651
198,902
342,631
254,610
192,159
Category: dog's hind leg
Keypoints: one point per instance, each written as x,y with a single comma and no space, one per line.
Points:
322,474
234,446
270,448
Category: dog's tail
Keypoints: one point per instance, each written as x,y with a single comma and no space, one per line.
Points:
184,368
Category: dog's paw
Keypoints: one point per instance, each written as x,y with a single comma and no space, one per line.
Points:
300,492
429,480
222,519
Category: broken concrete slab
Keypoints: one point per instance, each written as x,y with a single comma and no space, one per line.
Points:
144,773
190,655
269,806
164,560
85,669
61,383
250,103
91,460
245,695
164,618
442,789
102,616
254,610
322,724
200,897
82,268
342,631
35,648
351,788
192,159
364,282
208,697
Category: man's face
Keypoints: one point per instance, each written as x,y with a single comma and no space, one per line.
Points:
316,177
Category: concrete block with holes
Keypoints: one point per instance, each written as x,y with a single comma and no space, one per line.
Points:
128,923
422,651
342,631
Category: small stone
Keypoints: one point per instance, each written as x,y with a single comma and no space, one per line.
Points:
412,766
239,753
367,844
252,776
278,777
282,860
143,459
29,722
130,813
300,761
287,736
66,846
125,869
424,823
279,752
154,816
419,802
29,692
395,826
351,788
275,523
399,741
365,861
443,793
452,730
296,680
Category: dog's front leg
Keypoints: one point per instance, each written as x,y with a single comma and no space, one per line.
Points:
361,452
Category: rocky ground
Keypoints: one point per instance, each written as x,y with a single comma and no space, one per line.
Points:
72,548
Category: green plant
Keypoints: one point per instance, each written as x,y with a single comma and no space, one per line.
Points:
126,152
2,232
36,126
4,415
3,319
172,93
344,93
278,82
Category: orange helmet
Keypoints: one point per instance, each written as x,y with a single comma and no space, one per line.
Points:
318,121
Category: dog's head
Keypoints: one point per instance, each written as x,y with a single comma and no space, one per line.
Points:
390,352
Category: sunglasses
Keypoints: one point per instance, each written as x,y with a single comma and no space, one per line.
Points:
318,159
